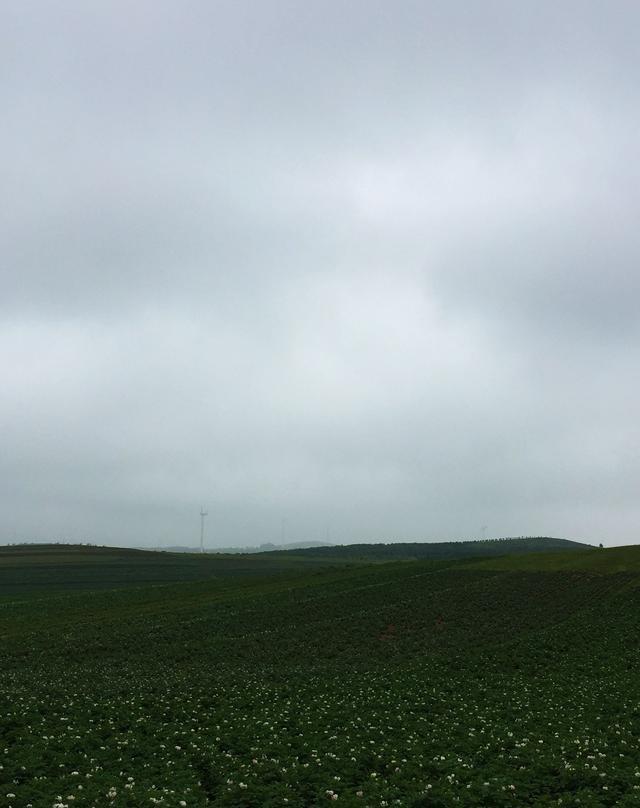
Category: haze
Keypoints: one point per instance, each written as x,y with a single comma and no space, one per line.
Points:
362,270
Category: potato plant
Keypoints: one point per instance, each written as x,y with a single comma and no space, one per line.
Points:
415,684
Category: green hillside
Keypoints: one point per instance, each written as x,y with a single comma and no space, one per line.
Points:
420,684
62,567
413,551
598,560
48,567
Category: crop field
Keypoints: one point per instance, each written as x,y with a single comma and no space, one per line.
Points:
404,684
62,568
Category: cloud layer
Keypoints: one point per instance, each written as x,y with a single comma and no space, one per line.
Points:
368,268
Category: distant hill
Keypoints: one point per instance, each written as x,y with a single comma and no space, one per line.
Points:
260,548
408,551
66,567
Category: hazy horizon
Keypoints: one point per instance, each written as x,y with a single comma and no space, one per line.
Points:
362,271
277,545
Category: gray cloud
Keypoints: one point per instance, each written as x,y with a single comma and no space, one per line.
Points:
368,267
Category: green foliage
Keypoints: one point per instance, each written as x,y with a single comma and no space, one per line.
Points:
415,684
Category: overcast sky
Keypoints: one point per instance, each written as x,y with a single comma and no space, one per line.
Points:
359,269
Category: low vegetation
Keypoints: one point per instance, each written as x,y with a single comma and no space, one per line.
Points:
413,684
61,568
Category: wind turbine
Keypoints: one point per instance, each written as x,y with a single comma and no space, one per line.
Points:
203,513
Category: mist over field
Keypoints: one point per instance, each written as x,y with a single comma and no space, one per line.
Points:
361,271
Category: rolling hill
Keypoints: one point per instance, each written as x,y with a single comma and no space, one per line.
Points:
44,567
413,551
61,567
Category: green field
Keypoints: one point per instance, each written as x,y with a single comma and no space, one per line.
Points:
64,568
613,559
489,682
